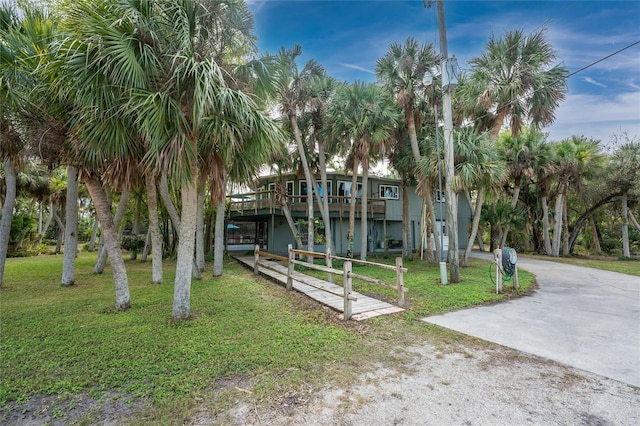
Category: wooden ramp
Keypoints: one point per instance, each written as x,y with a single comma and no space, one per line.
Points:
322,291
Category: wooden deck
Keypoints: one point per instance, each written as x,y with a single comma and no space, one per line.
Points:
363,308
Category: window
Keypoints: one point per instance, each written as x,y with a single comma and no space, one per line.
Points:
389,191
344,189
290,187
272,186
304,189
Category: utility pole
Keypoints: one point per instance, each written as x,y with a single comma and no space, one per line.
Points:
451,202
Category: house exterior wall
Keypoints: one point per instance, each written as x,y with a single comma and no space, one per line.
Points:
387,225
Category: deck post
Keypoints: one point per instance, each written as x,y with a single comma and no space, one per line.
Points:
329,263
497,256
290,266
256,256
347,289
400,278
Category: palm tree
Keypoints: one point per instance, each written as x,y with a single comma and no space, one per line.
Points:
572,159
520,153
402,71
292,87
515,80
161,57
363,116
477,167
624,172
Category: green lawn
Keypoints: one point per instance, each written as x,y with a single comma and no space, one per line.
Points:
68,341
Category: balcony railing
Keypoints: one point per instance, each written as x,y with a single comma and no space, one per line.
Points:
262,202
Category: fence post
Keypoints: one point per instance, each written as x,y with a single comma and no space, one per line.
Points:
329,263
290,265
347,289
400,278
497,257
256,256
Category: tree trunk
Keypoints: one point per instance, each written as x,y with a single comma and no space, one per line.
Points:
595,238
147,246
364,232
406,219
200,228
474,225
565,228
545,226
352,210
71,228
287,214
557,228
473,212
135,229
218,240
514,203
163,189
109,235
633,220
324,208
310,222
307,174
186,246
45,228
94,235
120,211
626,251
60,232
154,230
580,221
7,213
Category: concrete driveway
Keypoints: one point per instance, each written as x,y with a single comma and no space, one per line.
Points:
582,317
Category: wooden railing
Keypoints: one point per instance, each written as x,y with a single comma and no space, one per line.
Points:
346,272
266,200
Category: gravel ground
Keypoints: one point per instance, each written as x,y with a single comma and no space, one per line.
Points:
452,385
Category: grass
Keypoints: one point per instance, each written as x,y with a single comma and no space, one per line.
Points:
63,342
630,266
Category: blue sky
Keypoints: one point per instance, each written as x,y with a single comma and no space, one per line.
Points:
348,36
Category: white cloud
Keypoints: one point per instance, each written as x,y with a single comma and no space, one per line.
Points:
592,81
596,116
359,68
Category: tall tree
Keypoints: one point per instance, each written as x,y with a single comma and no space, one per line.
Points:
292,88
515,80
402,70
363,116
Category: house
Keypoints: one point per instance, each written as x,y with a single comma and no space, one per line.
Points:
258,218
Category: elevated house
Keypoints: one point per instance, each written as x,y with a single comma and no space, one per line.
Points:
257,217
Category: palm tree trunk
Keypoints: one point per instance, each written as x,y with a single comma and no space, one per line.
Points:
565,228
120,211
71,228
545,226
154,230
626,251
474,225
352,210
406,218
186,246
94,235
147,246
557,228
633,220
324,208
163,189
45,228
135,229
307,174
59,233
294,231
364,232
514,203
473,212
200,228
110,237
595,238
434,225
7,213
218,239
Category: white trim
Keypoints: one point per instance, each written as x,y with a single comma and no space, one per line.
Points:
389,192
